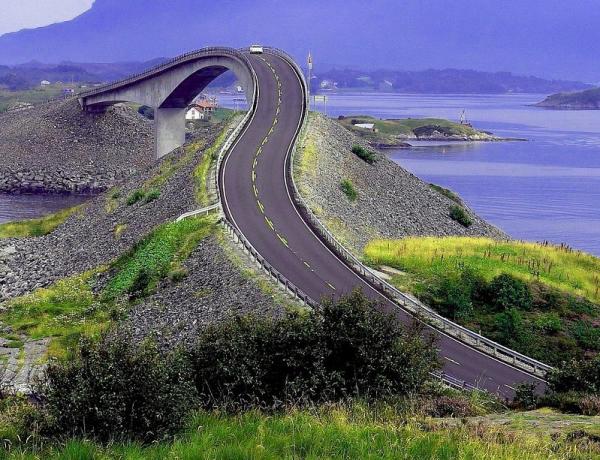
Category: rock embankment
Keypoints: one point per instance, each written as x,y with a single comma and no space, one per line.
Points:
390,203
58,148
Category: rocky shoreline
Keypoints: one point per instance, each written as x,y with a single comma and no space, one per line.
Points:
56,148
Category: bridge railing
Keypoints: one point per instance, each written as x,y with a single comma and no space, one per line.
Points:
408,303
202,52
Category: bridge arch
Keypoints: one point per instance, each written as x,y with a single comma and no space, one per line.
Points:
171,87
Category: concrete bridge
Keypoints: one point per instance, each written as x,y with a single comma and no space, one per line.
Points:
171,87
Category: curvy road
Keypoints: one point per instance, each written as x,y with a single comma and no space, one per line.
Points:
256,199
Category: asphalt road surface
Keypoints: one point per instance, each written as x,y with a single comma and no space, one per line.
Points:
255,194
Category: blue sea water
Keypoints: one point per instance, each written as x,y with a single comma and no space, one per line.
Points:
547,188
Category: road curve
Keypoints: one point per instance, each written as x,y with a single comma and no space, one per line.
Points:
254,190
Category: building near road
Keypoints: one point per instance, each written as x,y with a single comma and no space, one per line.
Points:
44,83
202,108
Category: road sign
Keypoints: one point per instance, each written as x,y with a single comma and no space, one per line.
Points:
320,98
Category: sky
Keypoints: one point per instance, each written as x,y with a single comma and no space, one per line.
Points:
27,14
547,38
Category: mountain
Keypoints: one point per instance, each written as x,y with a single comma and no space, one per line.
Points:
440,82
522,37
583,100
29,75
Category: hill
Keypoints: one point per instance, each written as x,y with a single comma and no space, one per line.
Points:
393,132
445,81
583,100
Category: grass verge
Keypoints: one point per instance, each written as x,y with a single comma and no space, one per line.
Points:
333,432
37,227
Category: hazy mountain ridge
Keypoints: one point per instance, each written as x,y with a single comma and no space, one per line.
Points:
442,81
384,33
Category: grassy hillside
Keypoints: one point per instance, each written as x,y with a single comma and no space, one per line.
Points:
394,131
543,300
338,432
582,100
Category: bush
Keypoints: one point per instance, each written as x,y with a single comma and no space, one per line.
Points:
134,197
458,214
525,396
112,389
152,195
506,292
576,375
348,349
364,154
348,189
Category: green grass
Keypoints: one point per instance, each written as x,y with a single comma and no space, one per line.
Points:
570,271
389,130
201,171
64,311
37,227
332,433
540,300
458,214
447,193
32,96
348,188
158,254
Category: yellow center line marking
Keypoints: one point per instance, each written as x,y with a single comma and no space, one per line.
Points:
306,263
253,175
265,140
255,191
269,223
259,151
255,161
283,240
260,206
331,286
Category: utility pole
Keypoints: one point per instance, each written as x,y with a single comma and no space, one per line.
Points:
310,66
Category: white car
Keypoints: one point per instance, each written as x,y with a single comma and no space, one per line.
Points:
256,49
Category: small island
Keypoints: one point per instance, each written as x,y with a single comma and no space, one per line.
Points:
394,133
581,100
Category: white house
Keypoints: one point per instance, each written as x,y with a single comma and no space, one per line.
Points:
44,83
194,113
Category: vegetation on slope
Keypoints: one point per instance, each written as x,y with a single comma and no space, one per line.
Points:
37,227
9,99
582,100
395,131
70,308
344,382
542,300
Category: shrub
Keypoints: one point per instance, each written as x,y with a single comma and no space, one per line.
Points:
178,274
134,197
152,195
112,389
348,189
525,396
364,154
576,375
458,214
506,292
348,349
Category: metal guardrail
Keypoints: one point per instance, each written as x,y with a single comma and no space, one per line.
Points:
411,305
190,56
285,284
206,211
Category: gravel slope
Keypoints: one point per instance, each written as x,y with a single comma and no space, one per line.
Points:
56,147
391,202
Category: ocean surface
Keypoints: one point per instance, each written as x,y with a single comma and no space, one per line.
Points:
547,188
17,207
